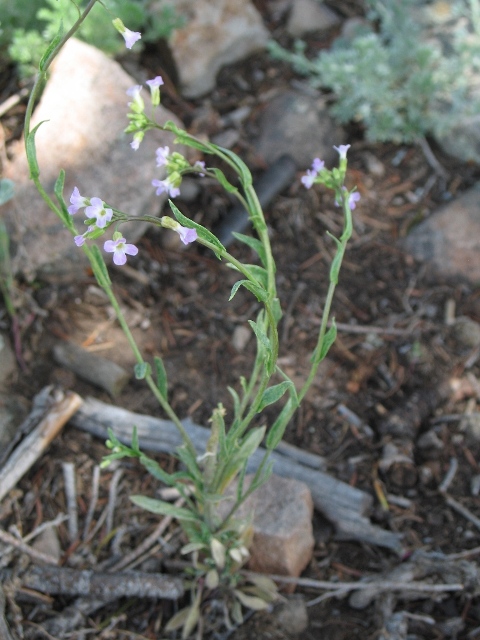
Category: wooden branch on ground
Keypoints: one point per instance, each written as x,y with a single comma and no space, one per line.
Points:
34,445
4,629
345,506
102,585
97,370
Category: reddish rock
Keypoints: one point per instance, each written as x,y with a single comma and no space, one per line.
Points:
283,535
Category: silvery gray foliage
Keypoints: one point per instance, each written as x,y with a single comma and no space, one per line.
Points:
407,72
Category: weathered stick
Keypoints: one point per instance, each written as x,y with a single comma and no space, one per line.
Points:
4,630
343,505
33,446
94,369
106,586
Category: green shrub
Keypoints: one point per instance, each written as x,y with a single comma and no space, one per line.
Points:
398,79
26,26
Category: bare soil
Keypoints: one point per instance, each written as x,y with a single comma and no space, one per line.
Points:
394,344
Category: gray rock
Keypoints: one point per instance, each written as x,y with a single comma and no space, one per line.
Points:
298,125
310,15
449,240
463,141
85,106
216,33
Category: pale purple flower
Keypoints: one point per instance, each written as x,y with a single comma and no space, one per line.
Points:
135,144
134,91
120,250
342,150
97,210
309,178
165,186
155,82
162,156
353,198
77,202
80,240
200,164
186,235
131,37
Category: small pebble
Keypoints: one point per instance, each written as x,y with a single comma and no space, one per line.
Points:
240,338
475,485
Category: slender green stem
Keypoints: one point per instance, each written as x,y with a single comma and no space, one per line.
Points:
148,378
258,219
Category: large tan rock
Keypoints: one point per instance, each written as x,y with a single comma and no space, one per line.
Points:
85,108
216,33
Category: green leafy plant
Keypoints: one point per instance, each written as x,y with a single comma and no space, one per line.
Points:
27,26
212,483
400,83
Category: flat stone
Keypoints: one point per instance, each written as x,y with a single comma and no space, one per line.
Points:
299,125
449,240
310,15
85,106
282,523
216,33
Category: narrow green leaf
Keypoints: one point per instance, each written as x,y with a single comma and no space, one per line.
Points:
58,191
251,602
238,458
161,374
277,310
192,618
261,335
243,170
163,508
253,243
236,400
7,190
260,294
259,273
191,463
262,477
328,339
202,232
98,266
272,394
249,445
135,439
142,369
51,48
220,176
178,620
276,431
155,470
31,152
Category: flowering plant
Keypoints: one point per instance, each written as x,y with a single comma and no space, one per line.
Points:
219,543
